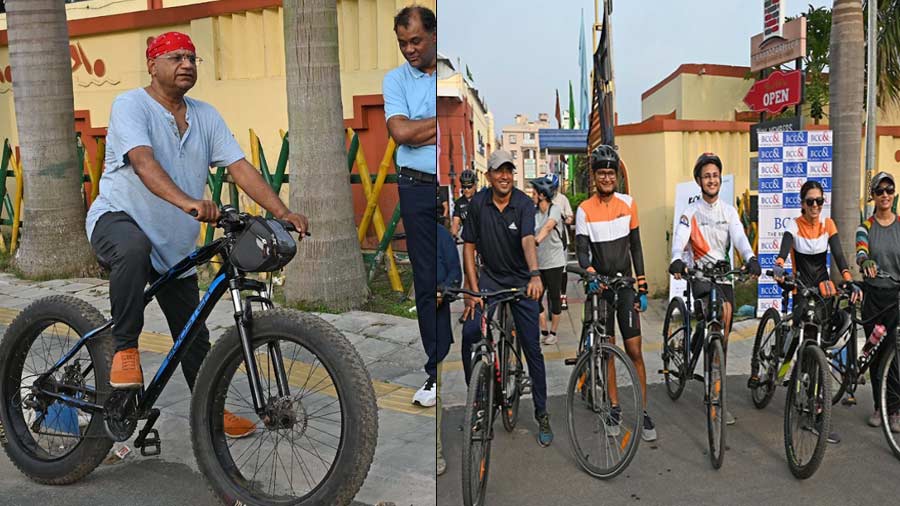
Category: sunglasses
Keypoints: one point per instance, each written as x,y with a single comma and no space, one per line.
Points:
818,202
468,187
881,191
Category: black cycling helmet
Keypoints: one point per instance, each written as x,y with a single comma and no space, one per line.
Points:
467,177
543,187
707,158
604,157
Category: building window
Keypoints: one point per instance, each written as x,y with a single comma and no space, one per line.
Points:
480,144
529,137
512,138
515,155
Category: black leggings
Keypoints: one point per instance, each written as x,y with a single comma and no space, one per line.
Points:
552,280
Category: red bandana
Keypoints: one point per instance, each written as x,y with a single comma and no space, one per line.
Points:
168,42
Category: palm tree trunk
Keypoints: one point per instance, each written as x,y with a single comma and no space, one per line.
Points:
329,266
54,243
847,62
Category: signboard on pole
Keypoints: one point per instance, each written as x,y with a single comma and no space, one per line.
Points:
786,161
774,93
773,19
788,46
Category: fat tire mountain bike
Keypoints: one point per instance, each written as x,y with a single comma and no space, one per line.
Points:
292,373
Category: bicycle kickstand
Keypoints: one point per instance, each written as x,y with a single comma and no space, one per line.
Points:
148,437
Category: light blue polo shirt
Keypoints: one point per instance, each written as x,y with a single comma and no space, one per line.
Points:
136,119
412,93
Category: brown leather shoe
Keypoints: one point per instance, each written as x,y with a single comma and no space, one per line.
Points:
237,427
126,369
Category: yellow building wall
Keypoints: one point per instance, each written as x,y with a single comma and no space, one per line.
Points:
664,100
242,74
712,97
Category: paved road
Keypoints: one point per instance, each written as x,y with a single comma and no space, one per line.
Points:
676,468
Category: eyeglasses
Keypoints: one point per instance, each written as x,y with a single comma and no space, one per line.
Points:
468,187
178,58
881,191
605,174
710,176
818,202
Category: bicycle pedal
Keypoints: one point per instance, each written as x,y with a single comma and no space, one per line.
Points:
849,401
150,444
662,371
570,361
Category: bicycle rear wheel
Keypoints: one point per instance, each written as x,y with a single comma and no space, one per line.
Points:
511,372
890,381
604,440
715,400
477,434
807,413
676,355
313,446
764,361
50,441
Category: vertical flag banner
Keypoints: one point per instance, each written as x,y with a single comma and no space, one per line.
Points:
786,161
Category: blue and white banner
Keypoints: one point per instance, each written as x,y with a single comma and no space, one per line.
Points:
786,161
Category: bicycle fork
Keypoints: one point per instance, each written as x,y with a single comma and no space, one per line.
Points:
243,316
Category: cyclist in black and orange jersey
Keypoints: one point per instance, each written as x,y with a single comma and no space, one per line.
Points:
807,240
608,242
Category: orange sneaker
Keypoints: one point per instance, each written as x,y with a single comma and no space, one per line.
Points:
237,427
126,369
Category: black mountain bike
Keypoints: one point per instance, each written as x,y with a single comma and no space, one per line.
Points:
681,350
807,407
292,373
604,402
495,385
848,368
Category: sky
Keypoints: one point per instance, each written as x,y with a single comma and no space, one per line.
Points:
521,51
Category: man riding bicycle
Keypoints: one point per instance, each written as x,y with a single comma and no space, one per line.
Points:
500,225
159,147
608,242
710,227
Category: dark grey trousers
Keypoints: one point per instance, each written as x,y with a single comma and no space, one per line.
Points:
121,243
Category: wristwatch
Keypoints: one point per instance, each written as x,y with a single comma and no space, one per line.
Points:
534,273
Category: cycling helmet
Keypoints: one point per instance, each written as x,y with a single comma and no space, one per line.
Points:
604,157
707,158
543,187
467,177
881,176
553,179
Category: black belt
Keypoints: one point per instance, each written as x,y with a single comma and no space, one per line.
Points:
417,175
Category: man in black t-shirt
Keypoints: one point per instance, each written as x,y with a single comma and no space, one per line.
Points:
500,225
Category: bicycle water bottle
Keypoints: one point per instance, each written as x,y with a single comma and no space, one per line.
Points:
877,333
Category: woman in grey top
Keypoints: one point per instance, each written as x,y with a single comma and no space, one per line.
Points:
878,249
550,253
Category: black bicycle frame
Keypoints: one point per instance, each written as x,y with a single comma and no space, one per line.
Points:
227,278
705,323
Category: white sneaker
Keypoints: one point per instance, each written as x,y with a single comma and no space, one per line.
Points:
427,395
875,419
550,339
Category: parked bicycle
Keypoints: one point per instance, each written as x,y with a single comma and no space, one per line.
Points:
296,375
495,385
807,407
681,349
604,402
848,367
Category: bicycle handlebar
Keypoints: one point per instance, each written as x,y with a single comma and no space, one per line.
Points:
452,294
230,218
617,281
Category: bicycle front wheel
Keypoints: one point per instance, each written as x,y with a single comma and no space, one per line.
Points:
604,411
890,389
807,413
764,361
316,440
715,400
675,354
477,434
511,372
